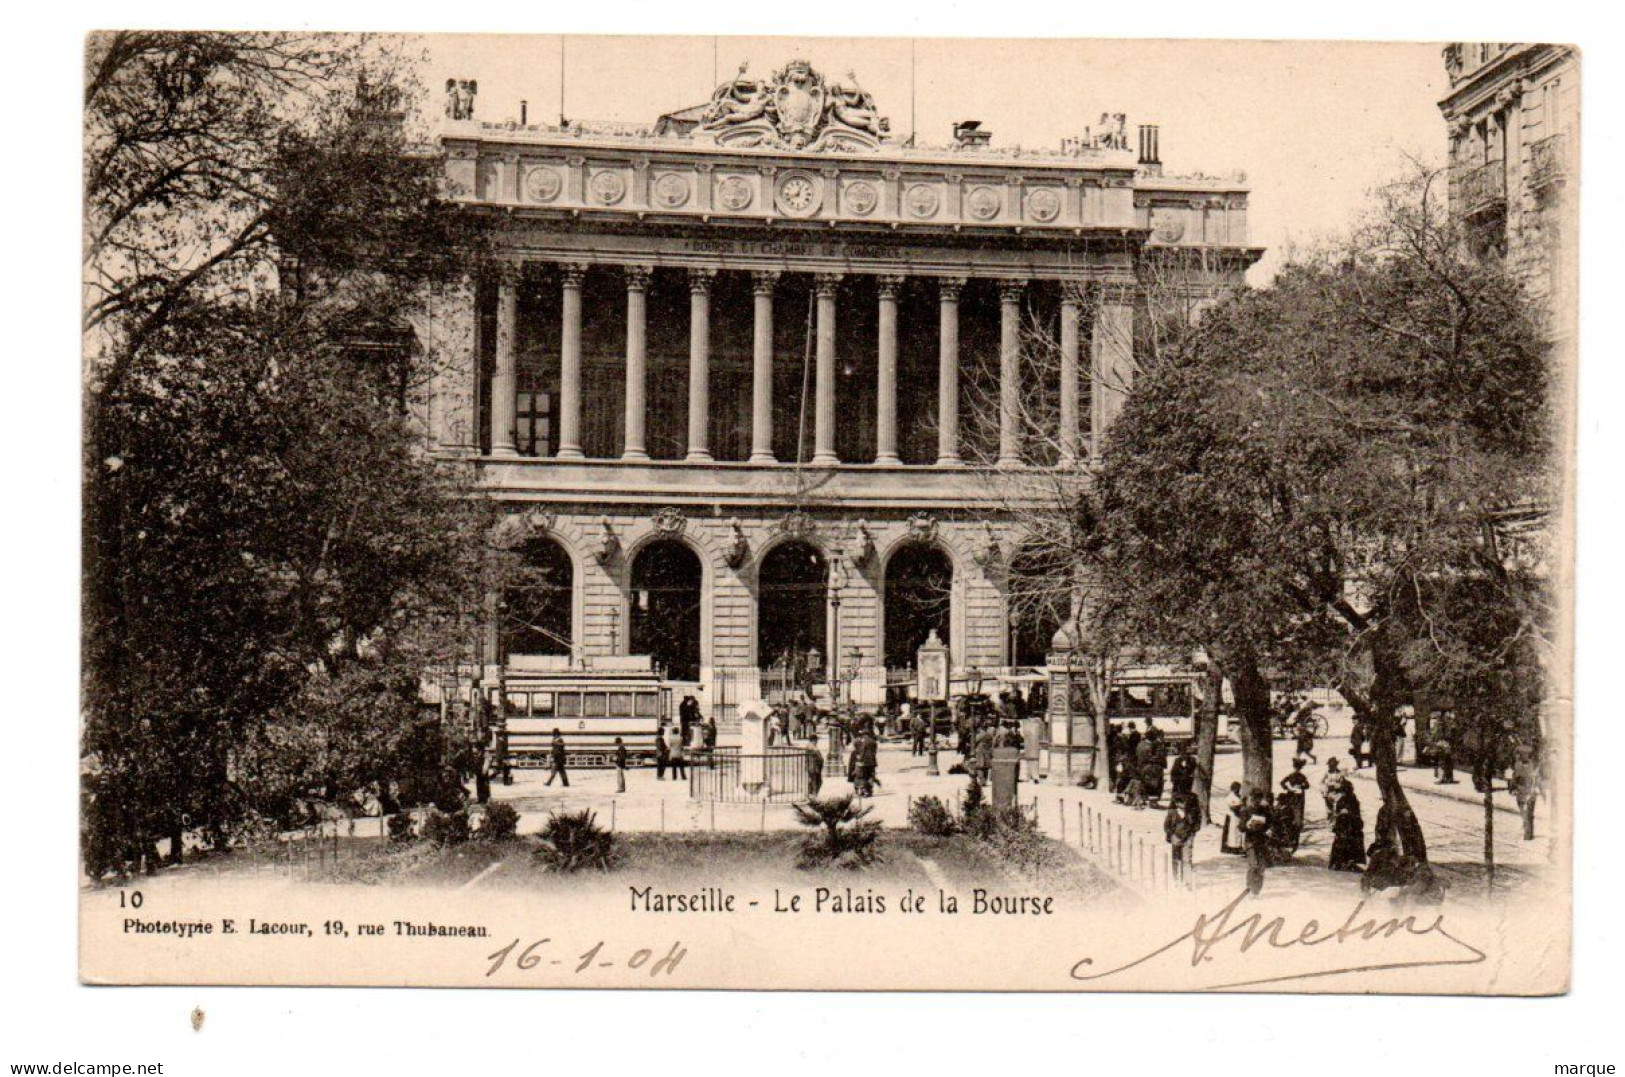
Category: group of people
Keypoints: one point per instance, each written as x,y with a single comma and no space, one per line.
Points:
1140,768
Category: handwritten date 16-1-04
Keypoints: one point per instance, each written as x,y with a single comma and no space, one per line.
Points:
544,952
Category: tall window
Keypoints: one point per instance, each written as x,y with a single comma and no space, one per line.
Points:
534,421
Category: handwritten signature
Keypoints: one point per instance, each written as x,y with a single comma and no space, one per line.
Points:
1358,930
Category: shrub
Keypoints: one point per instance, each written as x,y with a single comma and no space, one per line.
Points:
843,835
574,841
501,822
930,816
446,828
400,828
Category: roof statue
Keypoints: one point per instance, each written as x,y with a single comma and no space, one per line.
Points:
794,109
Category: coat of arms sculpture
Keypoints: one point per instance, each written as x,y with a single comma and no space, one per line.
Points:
795,109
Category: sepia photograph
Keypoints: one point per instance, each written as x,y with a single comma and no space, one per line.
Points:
861,500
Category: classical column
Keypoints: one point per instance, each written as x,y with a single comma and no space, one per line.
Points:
1111,358
1010,372
948,371
505,379
1069,374
570,363
699,364
761,368
826,285
886,397
637,362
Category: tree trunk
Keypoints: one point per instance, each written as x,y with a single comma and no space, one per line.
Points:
1252,694
176,844
1386,687
1207,737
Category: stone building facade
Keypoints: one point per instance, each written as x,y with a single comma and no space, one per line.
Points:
744,381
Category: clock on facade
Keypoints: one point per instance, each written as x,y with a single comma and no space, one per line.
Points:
798,194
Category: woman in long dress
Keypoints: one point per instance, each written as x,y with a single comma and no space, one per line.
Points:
1236,805
1348,834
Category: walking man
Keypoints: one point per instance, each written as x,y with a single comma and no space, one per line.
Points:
555,754
1255,827
620,765
815,771
1180,827
674,753
662,755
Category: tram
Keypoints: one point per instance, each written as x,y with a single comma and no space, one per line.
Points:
588,707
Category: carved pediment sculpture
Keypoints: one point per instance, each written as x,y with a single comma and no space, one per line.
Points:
922,527
460,98
794,109
670,521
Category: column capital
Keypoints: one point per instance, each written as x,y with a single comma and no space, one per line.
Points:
637,277
763,281
700,280
1010,290
948,288
890,284
573,273
826,283
508,272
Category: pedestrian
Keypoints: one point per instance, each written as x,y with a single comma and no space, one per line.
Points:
1180,827
1286,826
982,751
674,753
1230,841
1334,782
1182,777
556,755
1306,740
1526,786
916,729
1348,834
1152,760
1399,739
1444,757
1131,742
688,715
815,771
1256,826
620,765
1357,741
709,733
662,753
1295,787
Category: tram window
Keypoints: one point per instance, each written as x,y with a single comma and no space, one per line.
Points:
569,704
620,704
517,703
648,705
592,704
541,703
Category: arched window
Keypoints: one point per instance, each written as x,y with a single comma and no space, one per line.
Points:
665,608
792,612
537,603
919,590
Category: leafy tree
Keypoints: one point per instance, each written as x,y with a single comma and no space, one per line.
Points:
1315,483
270,561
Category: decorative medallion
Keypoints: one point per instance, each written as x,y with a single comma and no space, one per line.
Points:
734,192
800,194
1168,225
608,187
862,198
670,521
1043,204
671,190
797,523
923,200
795,108
543,184
982,203
518,527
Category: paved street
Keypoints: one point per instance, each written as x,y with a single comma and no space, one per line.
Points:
1125,841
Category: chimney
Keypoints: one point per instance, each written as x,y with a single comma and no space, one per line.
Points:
1149,153
524,113
970,133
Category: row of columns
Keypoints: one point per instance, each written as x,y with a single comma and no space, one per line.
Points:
1115,318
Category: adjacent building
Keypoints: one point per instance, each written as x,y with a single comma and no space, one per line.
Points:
746,378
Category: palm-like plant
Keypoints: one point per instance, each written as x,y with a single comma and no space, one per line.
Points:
843,834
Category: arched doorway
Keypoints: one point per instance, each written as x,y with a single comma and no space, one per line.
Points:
919,599
1040,597
792,610
538,601
665,608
